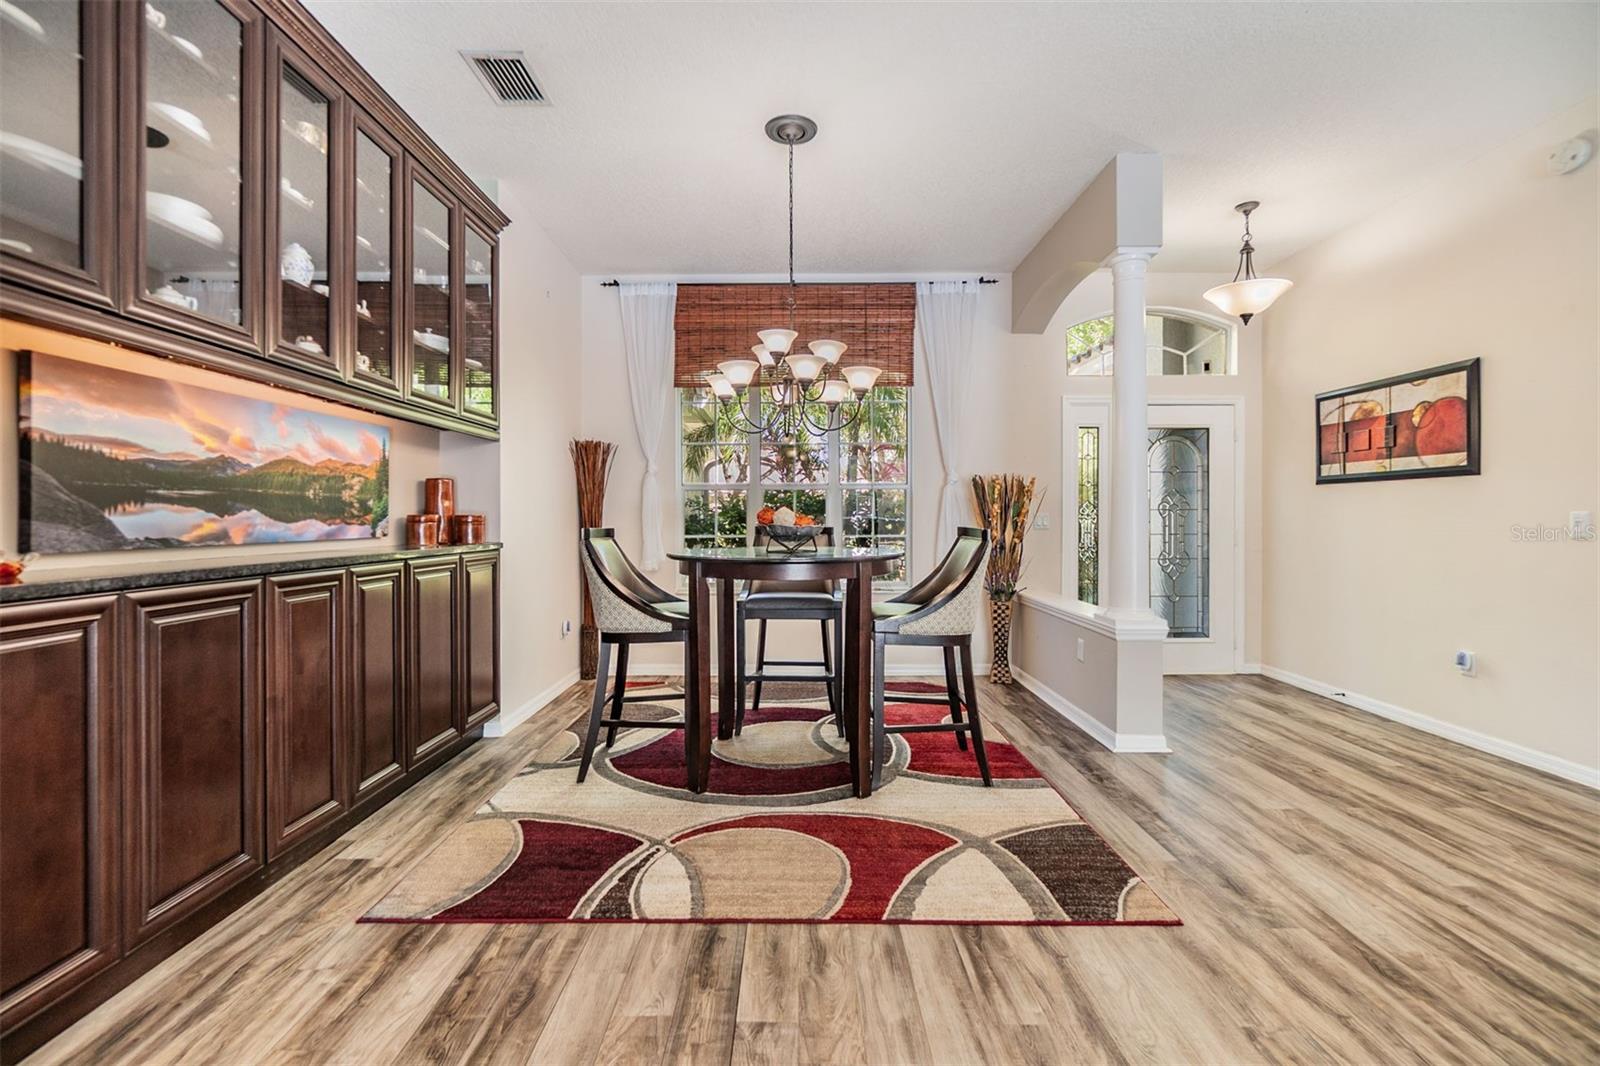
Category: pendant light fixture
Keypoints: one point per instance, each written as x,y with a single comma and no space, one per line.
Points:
799,388
1247,295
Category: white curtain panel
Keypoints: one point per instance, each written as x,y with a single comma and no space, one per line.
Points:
647,339
946,311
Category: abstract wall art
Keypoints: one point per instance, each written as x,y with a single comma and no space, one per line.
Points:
1423,424
114,459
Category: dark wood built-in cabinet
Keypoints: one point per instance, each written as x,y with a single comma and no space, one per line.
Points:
480,628
377,676
218,181
193,798
433,657
165,752
60,781
308,724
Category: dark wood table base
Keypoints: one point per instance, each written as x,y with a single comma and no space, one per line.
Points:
727,566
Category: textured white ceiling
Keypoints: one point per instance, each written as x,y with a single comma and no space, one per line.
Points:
953,135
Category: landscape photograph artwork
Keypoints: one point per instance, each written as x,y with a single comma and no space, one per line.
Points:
113,459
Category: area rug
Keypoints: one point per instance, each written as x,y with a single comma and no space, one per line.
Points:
777,837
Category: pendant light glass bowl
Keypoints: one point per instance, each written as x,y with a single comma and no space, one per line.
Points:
1249,297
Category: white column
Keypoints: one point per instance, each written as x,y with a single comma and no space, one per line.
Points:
1126,536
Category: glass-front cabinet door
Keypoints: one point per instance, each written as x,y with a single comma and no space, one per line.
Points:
377,192
57,115
432,368
480,352
303,215
195,155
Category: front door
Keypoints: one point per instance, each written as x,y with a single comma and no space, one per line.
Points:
1191,466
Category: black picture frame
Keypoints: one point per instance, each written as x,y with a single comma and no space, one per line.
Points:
1473,465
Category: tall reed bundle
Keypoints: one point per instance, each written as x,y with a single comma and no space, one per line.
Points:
1004,502
591,463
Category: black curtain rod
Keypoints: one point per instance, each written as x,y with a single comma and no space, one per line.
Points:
613,283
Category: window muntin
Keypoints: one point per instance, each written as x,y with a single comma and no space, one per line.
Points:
856,480
1176,345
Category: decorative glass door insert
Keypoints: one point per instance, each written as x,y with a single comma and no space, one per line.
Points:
1180,560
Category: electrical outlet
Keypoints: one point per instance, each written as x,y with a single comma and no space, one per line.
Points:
1042,522
1080,649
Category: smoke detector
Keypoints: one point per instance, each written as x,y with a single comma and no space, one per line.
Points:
507,77
1570,155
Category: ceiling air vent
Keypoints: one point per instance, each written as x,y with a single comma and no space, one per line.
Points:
507,77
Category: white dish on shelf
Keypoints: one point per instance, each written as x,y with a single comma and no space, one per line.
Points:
184,216
41,155
297,196
432,341
309,132
21,19
187,121
188,46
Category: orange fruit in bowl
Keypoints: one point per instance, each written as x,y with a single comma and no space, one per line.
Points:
804,520
765,516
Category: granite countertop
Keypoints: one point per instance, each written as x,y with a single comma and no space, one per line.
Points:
53,584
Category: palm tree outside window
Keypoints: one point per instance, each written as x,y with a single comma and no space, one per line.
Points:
856,479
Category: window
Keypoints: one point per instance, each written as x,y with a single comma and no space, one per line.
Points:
1176,344
856,480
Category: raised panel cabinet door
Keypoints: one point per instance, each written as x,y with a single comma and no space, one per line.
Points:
377,671
481,615
308,783
58,799
195,773
433,653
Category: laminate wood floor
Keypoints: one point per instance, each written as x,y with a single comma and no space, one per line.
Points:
1352,891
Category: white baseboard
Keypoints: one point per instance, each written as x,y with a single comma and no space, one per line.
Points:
1121,743
1505,749
506,721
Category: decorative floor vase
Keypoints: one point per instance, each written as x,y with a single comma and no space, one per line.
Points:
588,652
1000,653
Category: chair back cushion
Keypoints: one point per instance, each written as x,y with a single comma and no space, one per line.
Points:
959,613
620,602
822,585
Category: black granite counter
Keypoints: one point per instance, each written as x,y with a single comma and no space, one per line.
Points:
54,584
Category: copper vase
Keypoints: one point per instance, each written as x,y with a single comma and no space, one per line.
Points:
422,530
439,497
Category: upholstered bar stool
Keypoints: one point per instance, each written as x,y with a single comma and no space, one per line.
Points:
940,610
628,609
764,601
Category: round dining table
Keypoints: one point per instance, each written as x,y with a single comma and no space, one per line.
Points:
856,567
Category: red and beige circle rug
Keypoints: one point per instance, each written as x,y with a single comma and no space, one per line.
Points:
777,837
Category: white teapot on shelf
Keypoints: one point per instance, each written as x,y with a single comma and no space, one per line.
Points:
296,264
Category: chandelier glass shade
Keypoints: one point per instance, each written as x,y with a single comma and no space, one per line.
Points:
1247,295
799,390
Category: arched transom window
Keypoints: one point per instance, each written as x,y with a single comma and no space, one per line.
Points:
1176,344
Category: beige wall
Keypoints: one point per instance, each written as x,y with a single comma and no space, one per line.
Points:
524,480
1373,587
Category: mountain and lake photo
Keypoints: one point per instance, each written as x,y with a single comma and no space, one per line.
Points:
113,459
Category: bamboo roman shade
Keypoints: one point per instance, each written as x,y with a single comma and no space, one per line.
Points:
715,323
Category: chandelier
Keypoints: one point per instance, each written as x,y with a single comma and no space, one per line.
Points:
1246,294
800,390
